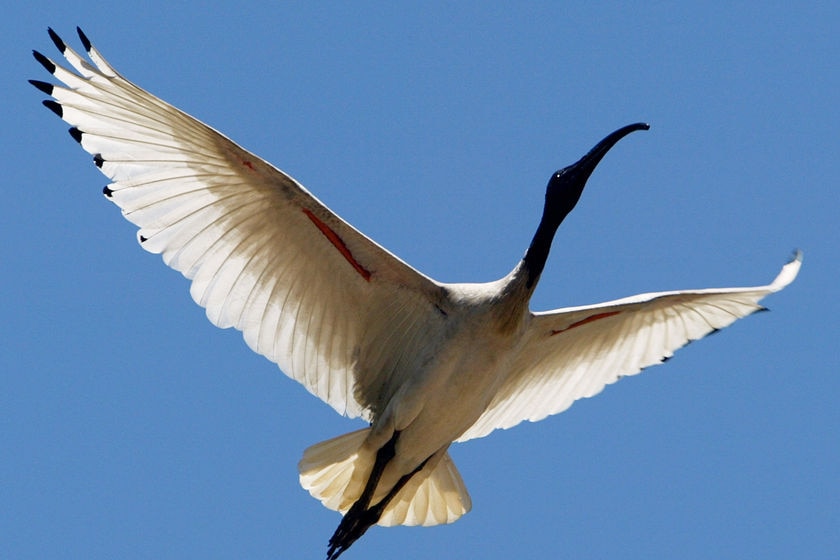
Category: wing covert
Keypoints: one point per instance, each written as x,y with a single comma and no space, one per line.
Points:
573,353
306,289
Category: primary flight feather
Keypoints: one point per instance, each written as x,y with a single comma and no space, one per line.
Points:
425,362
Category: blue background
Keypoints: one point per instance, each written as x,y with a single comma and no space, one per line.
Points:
132,428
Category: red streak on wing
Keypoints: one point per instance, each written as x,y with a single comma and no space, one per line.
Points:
249,165
587,320
338,244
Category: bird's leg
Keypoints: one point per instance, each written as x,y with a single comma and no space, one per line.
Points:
357,519
380,507
362,515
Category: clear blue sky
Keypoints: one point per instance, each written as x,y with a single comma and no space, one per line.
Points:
132,428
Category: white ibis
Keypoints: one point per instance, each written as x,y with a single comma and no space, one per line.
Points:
425,362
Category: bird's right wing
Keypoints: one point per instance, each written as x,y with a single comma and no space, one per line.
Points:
573,353
333,309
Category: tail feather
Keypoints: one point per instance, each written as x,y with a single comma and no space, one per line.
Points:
327,469
432,498
335,471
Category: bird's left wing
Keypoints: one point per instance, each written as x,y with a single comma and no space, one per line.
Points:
573,353
307,290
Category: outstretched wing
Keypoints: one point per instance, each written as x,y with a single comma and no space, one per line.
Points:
306,289
573,353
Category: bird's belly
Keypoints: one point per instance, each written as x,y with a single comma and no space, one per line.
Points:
435,408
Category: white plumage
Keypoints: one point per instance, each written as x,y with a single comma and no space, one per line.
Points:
426,363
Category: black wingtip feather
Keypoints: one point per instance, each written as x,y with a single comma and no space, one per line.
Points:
57,40
85,41
43,86
107,191
44,61
76,134
54,106
97,159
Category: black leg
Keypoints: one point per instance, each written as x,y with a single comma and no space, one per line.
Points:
379,508
361,516
357,520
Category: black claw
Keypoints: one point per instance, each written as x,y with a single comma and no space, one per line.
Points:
107,191
43,86
97,159
57,40
54,106
45,62
76,134
85,41
361,515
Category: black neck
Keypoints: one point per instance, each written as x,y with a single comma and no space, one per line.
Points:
537,254
561,196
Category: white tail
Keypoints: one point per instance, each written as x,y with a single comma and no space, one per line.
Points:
335,472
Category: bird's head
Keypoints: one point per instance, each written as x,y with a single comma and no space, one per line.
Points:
566,185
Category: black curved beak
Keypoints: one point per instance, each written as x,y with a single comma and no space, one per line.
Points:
566,185
586,165
561,196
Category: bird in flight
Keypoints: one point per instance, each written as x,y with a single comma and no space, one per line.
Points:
426,363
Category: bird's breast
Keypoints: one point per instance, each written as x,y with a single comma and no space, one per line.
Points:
436,405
